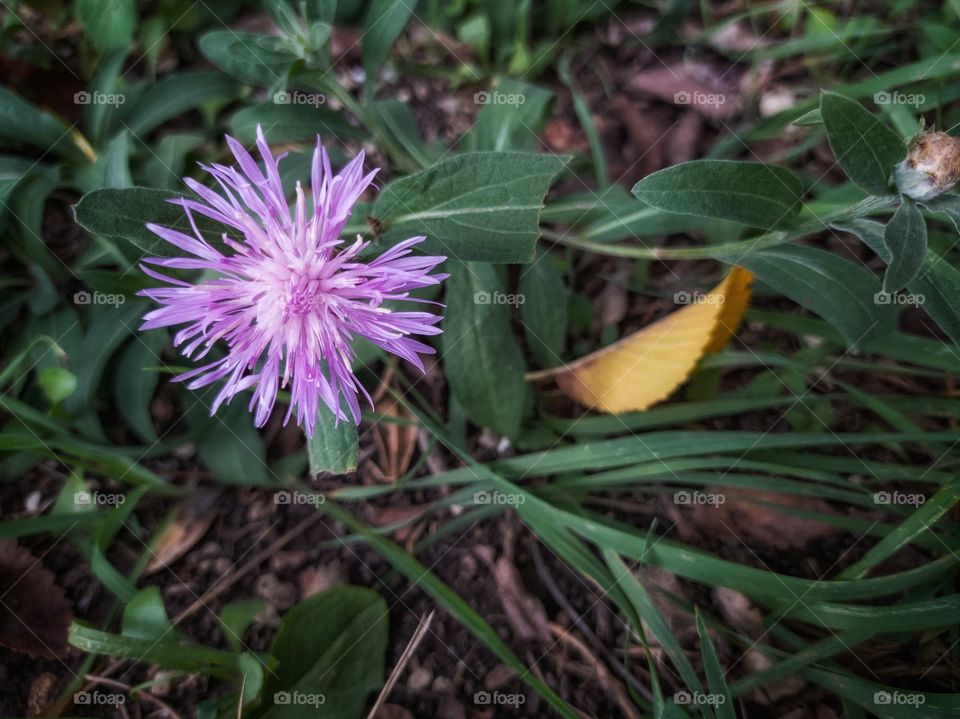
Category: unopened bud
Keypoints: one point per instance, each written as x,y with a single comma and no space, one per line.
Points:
932,166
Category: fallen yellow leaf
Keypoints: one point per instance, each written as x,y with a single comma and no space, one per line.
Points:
648,365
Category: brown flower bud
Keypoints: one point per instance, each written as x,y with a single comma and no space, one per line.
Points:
932,166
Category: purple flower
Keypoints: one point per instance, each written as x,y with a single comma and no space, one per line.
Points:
289,298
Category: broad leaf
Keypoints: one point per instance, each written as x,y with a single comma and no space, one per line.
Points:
905,238
333,447
647,366
747,192
544,309
331,652
482,361
292,122
256,59
937,282
174,95
481,206
841,292
109,23
22,122
124,213
865,148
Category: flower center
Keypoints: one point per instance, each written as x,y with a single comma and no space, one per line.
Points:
302,296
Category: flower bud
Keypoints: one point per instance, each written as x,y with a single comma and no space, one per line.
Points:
932,166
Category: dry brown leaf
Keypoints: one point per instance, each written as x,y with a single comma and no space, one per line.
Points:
34,613
192,520
649,365
395,442
751,517
689,87
525,612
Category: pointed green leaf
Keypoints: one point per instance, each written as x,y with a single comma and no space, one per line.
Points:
905,238
483,363
333,447
843,293
747,192
865,147
481,206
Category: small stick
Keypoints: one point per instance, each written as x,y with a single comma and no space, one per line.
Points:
407,655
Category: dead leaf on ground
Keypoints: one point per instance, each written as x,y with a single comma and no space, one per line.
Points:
192,520
405,515
647,366
525,612
688,87
395,440
748,518
34,613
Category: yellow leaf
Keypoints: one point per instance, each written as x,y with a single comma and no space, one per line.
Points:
647,366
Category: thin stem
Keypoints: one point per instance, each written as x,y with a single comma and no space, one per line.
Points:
729,249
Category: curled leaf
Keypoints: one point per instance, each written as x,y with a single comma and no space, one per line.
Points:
648,365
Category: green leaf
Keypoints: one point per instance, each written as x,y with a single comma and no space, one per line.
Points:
292,122
145,617
57,383
135,383
395,121
227,442
331,651
747,192
175,94
510,117
544,309
905,238
333,447
22,122
109,23
843,293
236,617
255,59
384,22
169,655
482,206
483,363
124,213
937,283
865,147
948,205
715,674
